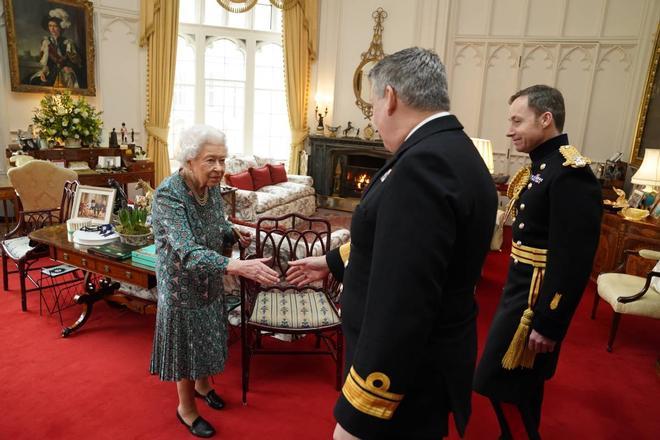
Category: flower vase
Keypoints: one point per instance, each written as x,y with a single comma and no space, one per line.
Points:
72,143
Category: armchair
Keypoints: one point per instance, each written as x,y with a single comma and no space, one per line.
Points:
286,309
629,294
42,204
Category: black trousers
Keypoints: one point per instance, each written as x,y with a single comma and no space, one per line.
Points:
530,413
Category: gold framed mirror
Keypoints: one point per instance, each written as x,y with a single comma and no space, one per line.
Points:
369,59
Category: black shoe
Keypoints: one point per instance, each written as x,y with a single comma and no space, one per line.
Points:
212,399
199,428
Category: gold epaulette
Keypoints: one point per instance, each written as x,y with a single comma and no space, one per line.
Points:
516,185
371,396
573,157
345,252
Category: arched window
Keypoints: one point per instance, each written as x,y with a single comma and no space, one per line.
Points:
183,100
272,135
224,90
230,75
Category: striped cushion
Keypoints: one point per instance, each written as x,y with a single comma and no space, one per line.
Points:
294,310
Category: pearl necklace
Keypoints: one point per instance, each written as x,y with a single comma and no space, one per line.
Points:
202,200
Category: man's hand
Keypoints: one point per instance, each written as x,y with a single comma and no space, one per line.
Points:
307,270
540,344
341,434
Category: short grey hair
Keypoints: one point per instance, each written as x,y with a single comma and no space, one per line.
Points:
418,77
194,138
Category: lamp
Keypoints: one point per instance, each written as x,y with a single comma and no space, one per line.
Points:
649,172
485,148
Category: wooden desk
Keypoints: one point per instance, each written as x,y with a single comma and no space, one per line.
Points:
76,255
618,234
7,194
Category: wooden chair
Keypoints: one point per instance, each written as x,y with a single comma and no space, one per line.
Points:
286,309
37,208
629,294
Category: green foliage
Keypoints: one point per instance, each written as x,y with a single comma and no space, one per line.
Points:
60,116
133,221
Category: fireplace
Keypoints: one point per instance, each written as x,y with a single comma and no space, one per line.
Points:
342,168
353,172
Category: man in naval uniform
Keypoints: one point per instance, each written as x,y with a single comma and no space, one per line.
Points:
556,208
419,239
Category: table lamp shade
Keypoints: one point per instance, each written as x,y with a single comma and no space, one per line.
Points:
649,172
485,148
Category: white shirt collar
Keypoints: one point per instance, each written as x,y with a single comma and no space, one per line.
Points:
430,118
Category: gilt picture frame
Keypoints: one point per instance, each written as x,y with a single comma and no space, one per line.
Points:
51,46
647,132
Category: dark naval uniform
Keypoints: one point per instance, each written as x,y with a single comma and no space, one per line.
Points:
419,238
555,235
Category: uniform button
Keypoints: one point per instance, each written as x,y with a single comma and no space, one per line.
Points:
542,166
519,242
529,185
515,261
521,226
513,219
522,206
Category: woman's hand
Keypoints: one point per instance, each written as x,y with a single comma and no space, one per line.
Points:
244,237
307,270
255,270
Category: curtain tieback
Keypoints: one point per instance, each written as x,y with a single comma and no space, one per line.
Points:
160,133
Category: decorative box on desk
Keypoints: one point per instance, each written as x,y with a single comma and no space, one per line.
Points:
618,234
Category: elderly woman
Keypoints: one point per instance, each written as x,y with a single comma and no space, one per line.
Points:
190,341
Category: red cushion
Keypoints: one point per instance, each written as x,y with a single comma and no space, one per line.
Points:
260,177
240,180
277,173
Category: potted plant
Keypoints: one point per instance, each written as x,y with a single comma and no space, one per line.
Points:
63,120
133,228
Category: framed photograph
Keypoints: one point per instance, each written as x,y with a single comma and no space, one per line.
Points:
647,133
51,45
655,209
93,203
109,161
635,197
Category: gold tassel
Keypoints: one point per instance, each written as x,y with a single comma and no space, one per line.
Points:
518,354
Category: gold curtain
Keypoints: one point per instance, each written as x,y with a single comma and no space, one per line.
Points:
159,32
300,24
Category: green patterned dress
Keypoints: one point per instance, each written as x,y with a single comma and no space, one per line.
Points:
190,340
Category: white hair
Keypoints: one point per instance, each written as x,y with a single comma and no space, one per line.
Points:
194,138
62,15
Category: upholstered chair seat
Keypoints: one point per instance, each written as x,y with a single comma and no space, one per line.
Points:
17,248
294,310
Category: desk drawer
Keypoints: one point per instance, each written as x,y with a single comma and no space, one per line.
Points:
83,262
121,273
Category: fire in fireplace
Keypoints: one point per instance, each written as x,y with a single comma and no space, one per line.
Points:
353,173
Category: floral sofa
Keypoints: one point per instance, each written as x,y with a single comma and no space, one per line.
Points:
296,195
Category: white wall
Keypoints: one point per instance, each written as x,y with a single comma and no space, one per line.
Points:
595,51
120,79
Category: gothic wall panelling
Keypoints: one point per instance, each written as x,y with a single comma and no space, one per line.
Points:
508,17
545,18
624,18
611,86
537,64
574,80
499,82
584,18
473,16
465,90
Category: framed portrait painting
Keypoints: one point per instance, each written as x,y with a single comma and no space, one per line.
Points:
51,45
647,133
93,203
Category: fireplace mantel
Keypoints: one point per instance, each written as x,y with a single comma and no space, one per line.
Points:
324,153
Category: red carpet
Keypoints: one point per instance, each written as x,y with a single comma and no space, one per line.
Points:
95,384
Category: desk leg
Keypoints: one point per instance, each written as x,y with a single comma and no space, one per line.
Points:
92,294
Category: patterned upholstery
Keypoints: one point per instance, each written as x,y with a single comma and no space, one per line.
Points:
295,310
17,248
296,195
50,179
